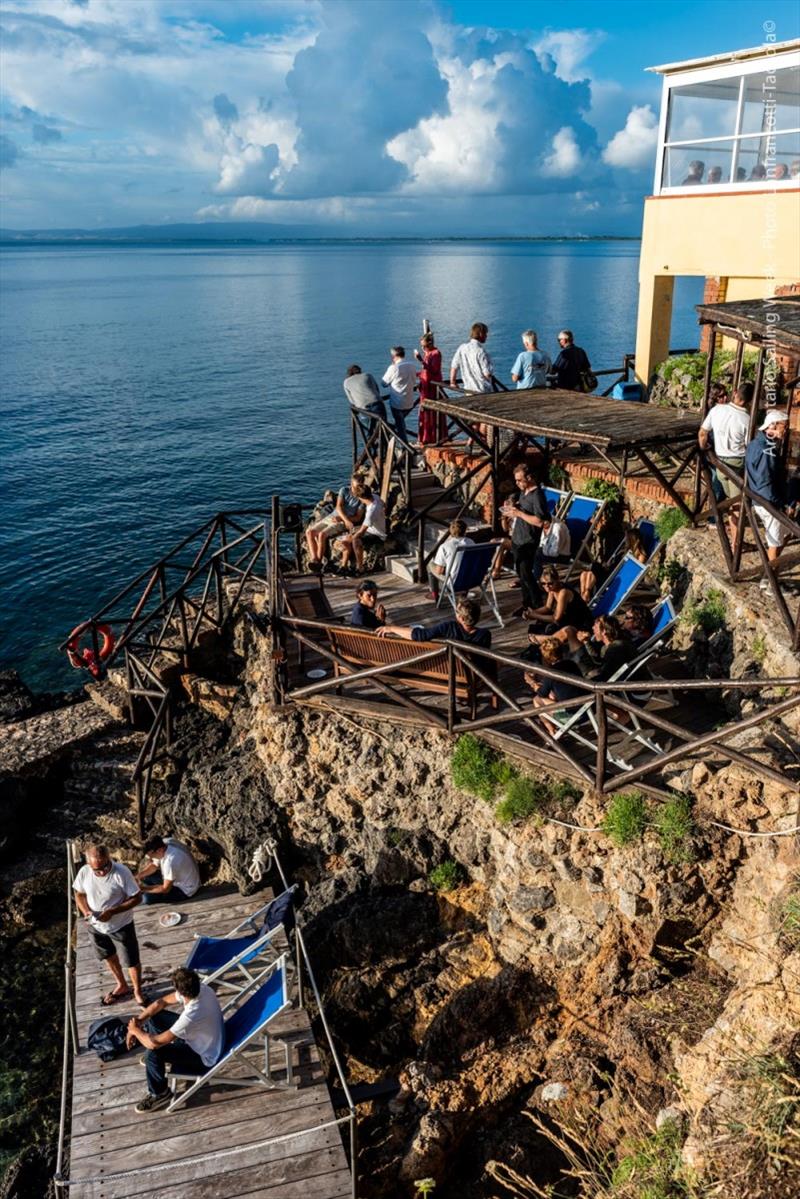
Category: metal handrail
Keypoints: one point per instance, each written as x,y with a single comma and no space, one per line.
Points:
71,1041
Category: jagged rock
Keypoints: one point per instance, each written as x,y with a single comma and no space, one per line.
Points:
16,701
532,899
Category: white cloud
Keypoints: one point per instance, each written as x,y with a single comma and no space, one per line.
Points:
633,146
565,157
569,49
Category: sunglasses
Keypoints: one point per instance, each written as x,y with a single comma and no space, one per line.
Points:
102,869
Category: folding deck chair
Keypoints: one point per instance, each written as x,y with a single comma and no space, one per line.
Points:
622,581
581,516
555,499
269,998
232,964
568,722
470,568
664,620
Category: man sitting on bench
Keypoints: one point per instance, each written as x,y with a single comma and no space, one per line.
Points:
463,628
190,1042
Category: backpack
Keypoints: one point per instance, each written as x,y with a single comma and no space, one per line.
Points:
107,1038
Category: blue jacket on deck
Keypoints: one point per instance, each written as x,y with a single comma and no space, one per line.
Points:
764,469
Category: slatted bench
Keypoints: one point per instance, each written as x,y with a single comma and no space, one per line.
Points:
363,649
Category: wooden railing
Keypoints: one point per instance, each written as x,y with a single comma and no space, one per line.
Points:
608,707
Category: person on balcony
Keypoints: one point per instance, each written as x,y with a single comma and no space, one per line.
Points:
171,873
562,607
437,571
727,426
532,365
572,363
553,654
432,425
106,894
401,379
766,478
366,612
529,515
347,515
363,393
695,174
472,363
371,531
463,628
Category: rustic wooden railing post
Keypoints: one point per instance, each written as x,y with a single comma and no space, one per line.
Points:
451,689
421,580
602,742
698,471
276,640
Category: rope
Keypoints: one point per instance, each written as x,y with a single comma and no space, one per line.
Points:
262,860
744,832
198,1161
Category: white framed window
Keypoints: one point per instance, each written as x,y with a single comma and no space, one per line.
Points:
732,127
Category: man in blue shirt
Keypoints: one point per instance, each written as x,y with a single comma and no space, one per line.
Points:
463,628
366,612
766,477
532,365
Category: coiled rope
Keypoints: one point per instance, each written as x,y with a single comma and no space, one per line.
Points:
262,860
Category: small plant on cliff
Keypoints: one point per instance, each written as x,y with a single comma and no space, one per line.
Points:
668,522
474,767
602,489
790,920
671,572
523,799
446,876
625,818
651,1166
758,649
710,616
675,828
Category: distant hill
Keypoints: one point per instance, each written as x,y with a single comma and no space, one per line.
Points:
230,233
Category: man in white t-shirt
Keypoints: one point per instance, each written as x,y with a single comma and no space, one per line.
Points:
171,873
106,894
437,571
728,425
371,531
401,379
191,1042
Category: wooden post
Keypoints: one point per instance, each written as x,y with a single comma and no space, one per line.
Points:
421,580
451,689
494,441
275,643
698,470
602,742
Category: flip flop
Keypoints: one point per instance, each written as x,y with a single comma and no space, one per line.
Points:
111,998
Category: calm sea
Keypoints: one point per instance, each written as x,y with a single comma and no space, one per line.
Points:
143,389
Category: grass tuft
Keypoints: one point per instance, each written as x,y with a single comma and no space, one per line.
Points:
474,767
668,522
447,876
625,818
523,798
710,616
675,828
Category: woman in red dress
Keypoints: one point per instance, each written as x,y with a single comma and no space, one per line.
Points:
432,425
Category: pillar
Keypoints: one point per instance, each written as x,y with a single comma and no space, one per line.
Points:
653,324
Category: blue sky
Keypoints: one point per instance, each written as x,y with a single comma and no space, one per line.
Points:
346,116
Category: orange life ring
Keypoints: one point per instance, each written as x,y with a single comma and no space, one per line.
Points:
87,658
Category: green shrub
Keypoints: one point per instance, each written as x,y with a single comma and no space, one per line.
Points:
523,798
625,817
671,572
710,616
668,522
675,828
563,792
474,767
758,649
690,370
446,876
602,489
790,920
557,475
652,1167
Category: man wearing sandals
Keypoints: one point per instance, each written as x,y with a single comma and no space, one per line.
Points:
106,894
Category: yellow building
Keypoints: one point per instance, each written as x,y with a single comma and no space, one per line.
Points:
726,197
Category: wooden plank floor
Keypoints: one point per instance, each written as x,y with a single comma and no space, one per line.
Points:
109,1138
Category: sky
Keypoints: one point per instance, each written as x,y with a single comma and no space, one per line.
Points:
367,117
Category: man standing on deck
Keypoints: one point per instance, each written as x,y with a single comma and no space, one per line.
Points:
766,477
472,362
529,514
401,379
532,365
728,425
106,894
571,364
191,1043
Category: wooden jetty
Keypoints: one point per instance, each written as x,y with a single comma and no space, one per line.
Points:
224,1127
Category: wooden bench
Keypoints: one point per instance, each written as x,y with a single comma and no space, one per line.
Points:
362,648
304,597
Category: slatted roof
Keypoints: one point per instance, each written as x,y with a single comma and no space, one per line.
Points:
573,416
775,320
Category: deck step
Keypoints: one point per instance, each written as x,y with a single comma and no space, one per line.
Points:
404,566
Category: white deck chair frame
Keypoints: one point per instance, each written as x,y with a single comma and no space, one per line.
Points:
218,980
259,1077
490,595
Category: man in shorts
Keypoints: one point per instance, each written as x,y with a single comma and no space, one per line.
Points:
106,894
765,476
171,873
346,516
728,427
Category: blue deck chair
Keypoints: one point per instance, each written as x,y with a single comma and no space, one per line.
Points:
664,620
581,517
235,962
555,499
269,998
618,586
649,536
470,569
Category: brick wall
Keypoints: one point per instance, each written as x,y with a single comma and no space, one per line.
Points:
714,292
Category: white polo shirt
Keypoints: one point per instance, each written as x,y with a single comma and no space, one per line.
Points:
179,867
401,378
106,891
201,1026
729,426
446,551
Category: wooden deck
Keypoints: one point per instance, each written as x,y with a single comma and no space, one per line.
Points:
109,1138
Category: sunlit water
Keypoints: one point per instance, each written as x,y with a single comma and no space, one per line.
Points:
145,389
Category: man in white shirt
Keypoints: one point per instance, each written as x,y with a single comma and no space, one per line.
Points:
106,894
437,571
171,872
472,362
729,426
191,1042
373,526
401,378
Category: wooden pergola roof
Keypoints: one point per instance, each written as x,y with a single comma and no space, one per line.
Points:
775,321
606,424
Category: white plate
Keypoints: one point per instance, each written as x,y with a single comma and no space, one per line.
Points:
316,674
170,919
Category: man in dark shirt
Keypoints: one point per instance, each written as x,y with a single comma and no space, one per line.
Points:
571,364
366,612
529,514
463,628
766,477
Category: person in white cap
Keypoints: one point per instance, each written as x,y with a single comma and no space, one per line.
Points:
766,477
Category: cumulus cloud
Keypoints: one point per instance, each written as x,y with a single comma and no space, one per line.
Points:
565,157
633,146
225,109
248,170
569,49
